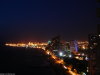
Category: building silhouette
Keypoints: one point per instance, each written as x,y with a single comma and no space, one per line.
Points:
98,41
94,46
94,52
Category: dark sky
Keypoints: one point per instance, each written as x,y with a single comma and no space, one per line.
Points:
40,20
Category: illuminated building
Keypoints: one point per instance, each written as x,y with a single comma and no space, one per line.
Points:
83,45
74,46
92,53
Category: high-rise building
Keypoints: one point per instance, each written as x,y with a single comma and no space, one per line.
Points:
94,53
73,46
98,41
94,45
98,53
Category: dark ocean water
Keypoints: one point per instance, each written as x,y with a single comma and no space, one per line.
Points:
25,61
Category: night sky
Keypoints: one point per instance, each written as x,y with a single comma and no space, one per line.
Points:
40,20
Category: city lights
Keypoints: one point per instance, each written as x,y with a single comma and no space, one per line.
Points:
30,45
56,58
60,53
70,55
64,67
99,35
60,61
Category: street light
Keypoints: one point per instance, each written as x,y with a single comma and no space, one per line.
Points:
60,53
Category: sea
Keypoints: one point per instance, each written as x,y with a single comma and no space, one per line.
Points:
24,61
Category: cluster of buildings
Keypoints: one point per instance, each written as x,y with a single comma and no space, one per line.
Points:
63,49
70,49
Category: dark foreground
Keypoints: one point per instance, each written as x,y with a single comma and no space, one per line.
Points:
26,61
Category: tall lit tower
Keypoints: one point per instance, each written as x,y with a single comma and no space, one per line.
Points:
74,46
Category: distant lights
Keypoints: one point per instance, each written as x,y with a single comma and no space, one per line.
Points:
86,58
60,53
48,52
77,57
49,42
83,47
28,45
70,55
79,54
83,73
83,54
87,69
64,67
